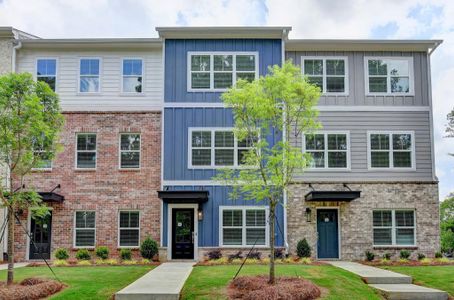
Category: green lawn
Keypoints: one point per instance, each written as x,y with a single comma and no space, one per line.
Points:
85,282
438,277
209,282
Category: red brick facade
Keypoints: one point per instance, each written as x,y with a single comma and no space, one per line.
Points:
107,189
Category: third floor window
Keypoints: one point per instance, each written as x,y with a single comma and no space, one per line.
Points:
46,71
328,73
389,75
89,75
132,76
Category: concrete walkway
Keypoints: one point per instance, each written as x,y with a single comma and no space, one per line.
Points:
390,284
16,265
162,283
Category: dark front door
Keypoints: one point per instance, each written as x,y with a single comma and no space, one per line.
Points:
183,233
40,231
328,237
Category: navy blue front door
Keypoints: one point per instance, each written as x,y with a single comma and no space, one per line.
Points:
328,237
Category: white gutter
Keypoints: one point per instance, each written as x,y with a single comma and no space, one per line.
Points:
13,56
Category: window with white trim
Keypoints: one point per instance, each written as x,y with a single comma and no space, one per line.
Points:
389,75
86,151
129,229
328,73
89,75
132,75
394,227
220,71
85,229
46,71
328,150
391,150
44,163
129,151
217,148
243,226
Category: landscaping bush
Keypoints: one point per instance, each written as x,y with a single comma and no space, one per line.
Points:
303,249
255,255
238,255
279,253
214,254
387,256
125,254
61,253
421,256
405,254
60,262
102,252
83,254
370,256
438,255
84,263
149,248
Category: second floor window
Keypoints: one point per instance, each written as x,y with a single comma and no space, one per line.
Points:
129,151
391,150
389,75
89,75
46,71
329,74
86,151
212,71
132,76
328,150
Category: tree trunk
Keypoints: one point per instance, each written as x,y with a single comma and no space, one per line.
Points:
272,221
10,245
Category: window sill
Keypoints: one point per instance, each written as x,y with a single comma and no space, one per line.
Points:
44,170
75,248
390,94
132,94
395,247
129,169
85,170
89,94
128,247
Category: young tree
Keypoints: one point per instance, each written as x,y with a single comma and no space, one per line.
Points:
447,224
281,103
30,121
450,125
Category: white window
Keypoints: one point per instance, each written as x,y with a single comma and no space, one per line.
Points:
89,75
390,75
394,227
129,151
85,229
129,229
330,74
86,151
45,162
243,226
391,150
329,150
218,71
132,75
212,148
46,71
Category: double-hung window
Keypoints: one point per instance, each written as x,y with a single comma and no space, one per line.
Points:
394,227
391,150
328,73
132,75
217,148
129,229
89,75
329,150
85,229
129,151
392,75
243,226
43,160
219,71
46,71
86,151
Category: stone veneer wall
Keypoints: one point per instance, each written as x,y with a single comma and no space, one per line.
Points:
356,216
6,48
107,189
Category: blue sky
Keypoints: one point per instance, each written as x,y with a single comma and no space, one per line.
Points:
380,19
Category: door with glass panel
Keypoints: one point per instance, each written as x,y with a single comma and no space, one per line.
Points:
183,233
40,231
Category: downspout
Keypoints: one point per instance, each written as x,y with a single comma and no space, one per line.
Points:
13,56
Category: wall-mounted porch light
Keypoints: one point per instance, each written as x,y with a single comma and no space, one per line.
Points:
200,213
308,214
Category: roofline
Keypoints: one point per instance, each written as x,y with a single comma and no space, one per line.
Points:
221,32
6,32
92,43
361,45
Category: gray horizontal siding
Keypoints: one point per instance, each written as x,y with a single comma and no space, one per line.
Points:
357,93
358,123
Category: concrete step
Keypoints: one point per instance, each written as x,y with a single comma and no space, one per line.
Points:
409,292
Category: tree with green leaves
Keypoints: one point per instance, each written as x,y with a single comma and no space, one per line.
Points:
30,122
450,127
281,102
447,224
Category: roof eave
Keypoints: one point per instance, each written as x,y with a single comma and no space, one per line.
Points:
223,32
105,43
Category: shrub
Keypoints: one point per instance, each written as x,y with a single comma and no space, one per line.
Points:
102,252
130,262
111,261
214,254
83,254
385,261
100,262
405,254
255,255
61,253
279,253
125,254
149,248
421,256
438,255
443,260
303,249
60,262
426,261
84,263
387,256
238,255
305,261
369,256
144,261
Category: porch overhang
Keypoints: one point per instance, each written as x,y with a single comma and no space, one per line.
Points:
51,197
184,196
337,196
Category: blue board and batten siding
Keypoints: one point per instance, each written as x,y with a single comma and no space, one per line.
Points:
178,120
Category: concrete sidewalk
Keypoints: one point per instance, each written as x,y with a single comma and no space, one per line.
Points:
16,265
164,283
372,275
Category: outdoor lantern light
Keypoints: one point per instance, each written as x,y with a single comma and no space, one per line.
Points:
200,214
308,214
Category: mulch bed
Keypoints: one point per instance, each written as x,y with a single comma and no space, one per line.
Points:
410,263
257,287
30,288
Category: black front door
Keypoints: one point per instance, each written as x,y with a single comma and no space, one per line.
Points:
327,229
183,233
40,231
